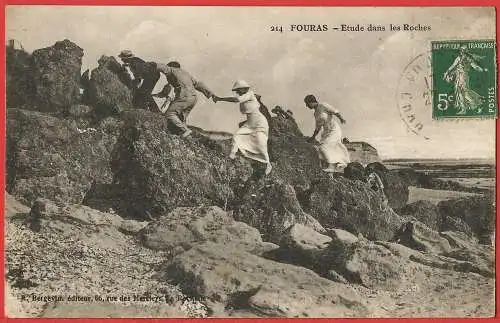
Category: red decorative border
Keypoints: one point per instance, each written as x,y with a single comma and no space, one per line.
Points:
268,3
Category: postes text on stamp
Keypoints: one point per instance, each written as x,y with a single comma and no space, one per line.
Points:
464,79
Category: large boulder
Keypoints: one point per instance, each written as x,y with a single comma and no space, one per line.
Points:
423,211
396,189
185,227
52,158
271,205
477,213
418,236
365,262
238,280
468,249
294,160
341,256
46,210
302,246
158,171
353,206
108,89
56,76
448,261
355,171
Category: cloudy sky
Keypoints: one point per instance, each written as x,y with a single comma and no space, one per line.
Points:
356,71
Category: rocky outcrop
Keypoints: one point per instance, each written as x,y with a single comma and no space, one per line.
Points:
295,161
366,263
240,281
423,211
473,214
107,90
341,256
56,76
44,210
185,227
355,171
465,248
396,187
352,206
217,264
271,206
446,261
418,236
52,158
158,171
302,246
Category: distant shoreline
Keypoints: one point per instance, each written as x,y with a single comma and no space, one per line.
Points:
474,161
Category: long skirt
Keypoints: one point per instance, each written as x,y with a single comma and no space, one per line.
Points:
251,138
331,149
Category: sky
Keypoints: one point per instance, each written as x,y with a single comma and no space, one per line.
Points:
358,72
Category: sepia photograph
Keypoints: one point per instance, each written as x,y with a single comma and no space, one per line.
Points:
250,162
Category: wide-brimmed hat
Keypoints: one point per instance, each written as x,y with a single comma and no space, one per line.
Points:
240,85
126,53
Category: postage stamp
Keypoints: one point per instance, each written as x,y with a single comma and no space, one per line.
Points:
464,79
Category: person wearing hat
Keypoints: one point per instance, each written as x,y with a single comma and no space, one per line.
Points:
251,138
330,148
185,87
144,76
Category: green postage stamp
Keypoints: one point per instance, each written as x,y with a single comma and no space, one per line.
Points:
464,79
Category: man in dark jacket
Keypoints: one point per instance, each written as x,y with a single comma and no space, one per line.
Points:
144,77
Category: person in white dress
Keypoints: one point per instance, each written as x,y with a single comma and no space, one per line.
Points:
251,138
331,149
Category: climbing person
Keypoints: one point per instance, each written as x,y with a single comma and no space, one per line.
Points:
330,148
144,76
185,98
251,138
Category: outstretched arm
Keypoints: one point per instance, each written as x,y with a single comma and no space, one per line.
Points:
200,86
338,115
225,99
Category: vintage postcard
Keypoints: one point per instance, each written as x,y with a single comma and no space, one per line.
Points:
310,162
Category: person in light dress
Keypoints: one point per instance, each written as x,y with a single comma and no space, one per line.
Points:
331,150
251,138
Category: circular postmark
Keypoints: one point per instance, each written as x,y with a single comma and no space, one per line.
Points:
414,94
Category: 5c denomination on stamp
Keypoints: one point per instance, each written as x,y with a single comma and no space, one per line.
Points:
464,79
